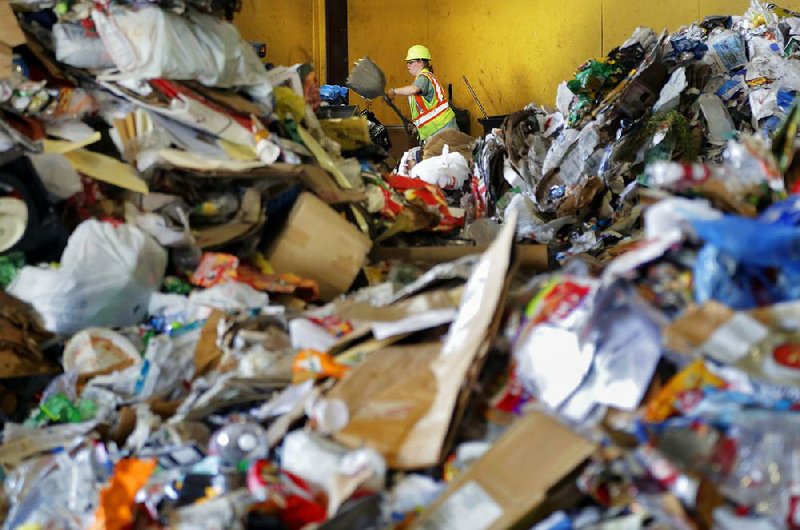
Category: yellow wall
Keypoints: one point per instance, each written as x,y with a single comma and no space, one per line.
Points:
287,26
514,52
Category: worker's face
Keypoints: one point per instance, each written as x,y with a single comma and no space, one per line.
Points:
414,67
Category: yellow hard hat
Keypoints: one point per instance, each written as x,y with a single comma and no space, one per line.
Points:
418,51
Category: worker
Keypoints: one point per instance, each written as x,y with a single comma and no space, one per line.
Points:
430,110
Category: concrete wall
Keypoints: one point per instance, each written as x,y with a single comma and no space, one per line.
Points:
514,52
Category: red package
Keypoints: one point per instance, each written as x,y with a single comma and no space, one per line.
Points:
214,268
286,495
431,196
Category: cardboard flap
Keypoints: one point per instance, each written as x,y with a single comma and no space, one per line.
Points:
512,479
386,395
10,32
10,35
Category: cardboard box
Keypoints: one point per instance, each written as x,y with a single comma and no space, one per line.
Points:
10,35
319,244
510,481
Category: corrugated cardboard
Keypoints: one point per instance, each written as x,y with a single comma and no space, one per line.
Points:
10,35
319,244
511,480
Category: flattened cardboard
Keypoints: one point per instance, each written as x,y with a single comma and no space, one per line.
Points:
529,256
317,243
463,350
206,353
696,325
386,395
421,303
10,35
511,480
689,331
322,184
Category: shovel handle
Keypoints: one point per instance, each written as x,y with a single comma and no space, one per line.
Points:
389,102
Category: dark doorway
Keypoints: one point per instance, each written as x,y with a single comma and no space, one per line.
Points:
336,58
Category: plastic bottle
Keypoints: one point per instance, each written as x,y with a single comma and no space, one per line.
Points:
239,441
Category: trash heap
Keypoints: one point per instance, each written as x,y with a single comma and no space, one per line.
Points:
221,311
710,93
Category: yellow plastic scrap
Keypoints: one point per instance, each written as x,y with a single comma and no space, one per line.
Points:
262,263
287,100
323,158
351,133
237,151
64,146
106,169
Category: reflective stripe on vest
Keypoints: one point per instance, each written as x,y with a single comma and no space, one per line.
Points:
421,111
431,114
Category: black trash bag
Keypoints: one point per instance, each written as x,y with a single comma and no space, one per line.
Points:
378,134
45,236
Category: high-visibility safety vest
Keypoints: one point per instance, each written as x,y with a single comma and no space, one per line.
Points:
430,116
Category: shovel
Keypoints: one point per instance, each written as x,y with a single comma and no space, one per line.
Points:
369,81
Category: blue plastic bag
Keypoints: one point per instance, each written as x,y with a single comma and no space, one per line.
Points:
333,94
750,262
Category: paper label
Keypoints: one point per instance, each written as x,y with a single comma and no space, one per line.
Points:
730,51
734,339
470,507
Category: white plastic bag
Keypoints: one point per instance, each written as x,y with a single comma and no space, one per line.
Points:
226,296
153,43
448,171
106,277
75,48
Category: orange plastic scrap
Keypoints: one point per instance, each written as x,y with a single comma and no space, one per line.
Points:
312,364
687,385
117,499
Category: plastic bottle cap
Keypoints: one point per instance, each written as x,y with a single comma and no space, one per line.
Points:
247,442
330,415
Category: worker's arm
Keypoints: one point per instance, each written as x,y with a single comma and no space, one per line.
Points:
410,90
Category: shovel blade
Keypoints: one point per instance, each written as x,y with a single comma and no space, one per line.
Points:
367,79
